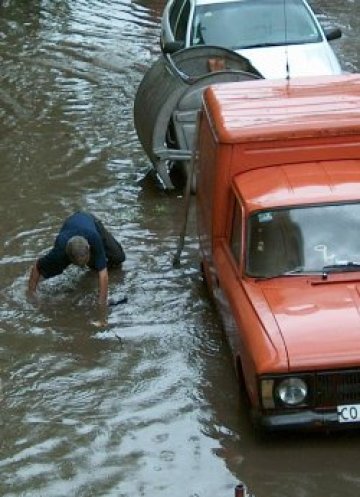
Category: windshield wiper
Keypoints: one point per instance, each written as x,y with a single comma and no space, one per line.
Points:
275,44
263,45
340,266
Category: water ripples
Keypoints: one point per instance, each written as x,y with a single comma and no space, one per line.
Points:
147,404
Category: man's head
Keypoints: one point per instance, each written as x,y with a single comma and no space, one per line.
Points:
78,250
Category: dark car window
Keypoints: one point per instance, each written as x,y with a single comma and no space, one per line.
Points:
254,23
175,10
182,23
275,244
235,233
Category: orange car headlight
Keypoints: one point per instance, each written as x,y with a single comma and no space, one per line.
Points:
291,391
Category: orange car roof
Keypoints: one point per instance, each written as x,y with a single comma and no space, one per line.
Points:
289,185
273,109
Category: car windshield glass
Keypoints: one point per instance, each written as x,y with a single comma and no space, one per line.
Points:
253,23
304,240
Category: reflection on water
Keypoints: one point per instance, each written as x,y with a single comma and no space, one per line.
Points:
148,405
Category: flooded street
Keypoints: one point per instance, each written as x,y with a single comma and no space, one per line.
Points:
147,405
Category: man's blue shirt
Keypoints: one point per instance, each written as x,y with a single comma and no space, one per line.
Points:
78,224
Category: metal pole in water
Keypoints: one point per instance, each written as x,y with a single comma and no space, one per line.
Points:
176,260
190,175
240,490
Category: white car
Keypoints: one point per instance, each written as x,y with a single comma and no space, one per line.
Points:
281,38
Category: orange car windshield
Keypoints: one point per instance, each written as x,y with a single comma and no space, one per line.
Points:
303,240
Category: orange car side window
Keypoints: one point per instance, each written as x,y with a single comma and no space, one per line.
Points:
235,232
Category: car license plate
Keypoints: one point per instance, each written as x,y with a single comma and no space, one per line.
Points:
349,413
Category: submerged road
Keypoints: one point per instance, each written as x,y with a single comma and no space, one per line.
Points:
148,405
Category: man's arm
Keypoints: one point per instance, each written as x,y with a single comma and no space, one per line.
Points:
33,279
103,286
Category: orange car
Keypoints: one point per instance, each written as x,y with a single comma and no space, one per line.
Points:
278,208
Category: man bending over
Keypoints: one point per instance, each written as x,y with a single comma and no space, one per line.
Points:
83,241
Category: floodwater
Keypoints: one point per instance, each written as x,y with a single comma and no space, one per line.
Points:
147,405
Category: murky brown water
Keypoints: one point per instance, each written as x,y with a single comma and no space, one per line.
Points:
149,405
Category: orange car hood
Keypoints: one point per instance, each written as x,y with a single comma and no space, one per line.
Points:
319,323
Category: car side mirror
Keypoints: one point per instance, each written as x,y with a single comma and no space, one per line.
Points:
332,33
172,46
